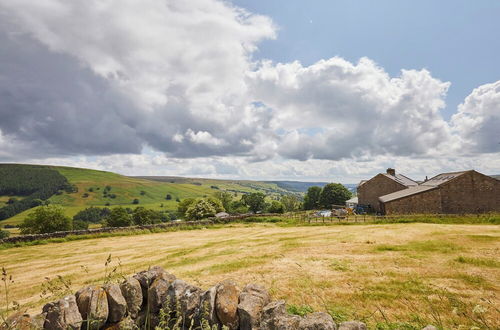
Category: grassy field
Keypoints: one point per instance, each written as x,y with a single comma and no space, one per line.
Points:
391,276
151,194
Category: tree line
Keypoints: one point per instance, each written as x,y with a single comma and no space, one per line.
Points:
36,183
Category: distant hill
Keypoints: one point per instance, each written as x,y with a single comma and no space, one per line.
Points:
496,176
297,186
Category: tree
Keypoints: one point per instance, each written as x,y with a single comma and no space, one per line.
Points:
334,194
290,203
216,203
135,201
238,207
91,214
46,219
276,207
168,197
202,208
142,216
255,201
311,199
4,234
184,205
118,217
80,225
225,198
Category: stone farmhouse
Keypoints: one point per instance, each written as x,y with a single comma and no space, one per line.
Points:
446,193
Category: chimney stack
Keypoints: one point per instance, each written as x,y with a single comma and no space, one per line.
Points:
391,171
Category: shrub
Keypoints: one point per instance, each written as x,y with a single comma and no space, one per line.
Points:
135,201
4,234
276,207
143,216
200,209
183,206
46,219
91,214
80,225
168,197
118,217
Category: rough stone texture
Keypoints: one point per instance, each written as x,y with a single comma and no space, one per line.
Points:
253,298
352,325
226,303
22,321
158,291
132,292
62,314
125,324
207,312
184,298
379,185
117,304
93,305
471,192
317,321
275,317
430,327
147,277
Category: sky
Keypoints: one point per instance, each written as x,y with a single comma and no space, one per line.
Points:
248,89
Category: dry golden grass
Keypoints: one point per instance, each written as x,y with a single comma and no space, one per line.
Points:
414,273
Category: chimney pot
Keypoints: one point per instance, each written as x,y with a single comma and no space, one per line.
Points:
391,171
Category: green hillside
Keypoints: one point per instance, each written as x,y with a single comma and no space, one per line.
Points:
100,188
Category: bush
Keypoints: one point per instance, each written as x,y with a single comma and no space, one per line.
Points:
276,207
168,197
46,219
4,234
200,209
80,225
135,201
91,214
183,206
118,217
143,216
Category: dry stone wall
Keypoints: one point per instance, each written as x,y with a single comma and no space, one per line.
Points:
156,299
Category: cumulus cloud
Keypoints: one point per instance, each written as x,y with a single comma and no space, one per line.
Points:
116,76
477,121
171,84
335,109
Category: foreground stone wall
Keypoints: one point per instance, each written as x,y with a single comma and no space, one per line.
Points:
156,298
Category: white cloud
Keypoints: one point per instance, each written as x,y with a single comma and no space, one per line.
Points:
335,109
477,121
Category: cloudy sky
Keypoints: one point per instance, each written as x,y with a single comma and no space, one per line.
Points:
257,89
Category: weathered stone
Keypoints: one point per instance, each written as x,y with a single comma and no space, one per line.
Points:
93,305
253,298
20,321
317,321
184,300
132,292
275,317
62,314
117,304
352,325
158,291
226,303
206,312
147,277
430,327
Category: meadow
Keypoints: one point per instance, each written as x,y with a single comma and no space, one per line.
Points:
389,275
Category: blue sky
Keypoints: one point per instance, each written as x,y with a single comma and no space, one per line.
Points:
456,40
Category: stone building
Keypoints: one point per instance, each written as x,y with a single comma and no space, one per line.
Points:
381,184
447,193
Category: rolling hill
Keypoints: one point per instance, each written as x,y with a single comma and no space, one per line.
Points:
101,188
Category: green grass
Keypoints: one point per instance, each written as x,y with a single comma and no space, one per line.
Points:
421,246
480,262
151,194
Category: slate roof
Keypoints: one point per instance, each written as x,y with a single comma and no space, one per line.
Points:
430,184
405,192
400,178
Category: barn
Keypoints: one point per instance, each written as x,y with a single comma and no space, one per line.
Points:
447,193
382,184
